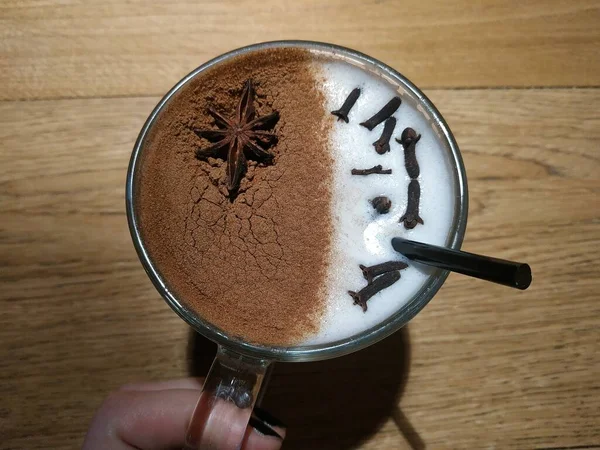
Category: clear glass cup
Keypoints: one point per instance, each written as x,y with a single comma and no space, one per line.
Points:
234,380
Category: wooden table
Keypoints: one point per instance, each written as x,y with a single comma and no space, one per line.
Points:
481,367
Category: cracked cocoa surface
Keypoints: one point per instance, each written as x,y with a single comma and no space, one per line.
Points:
254,267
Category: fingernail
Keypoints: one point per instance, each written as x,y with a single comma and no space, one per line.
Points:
262,427
266,416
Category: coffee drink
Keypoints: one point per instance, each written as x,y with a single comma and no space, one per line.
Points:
270,217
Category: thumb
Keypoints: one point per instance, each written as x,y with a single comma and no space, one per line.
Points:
145,420
264,432
155,416
222,425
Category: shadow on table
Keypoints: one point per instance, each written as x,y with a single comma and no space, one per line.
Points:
333,404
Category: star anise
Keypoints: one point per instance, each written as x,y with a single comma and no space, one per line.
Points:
244,132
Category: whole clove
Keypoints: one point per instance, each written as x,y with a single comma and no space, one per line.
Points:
378,169
382,204
342,113
372,272
409,139
411,217
385,112
382,145
380,283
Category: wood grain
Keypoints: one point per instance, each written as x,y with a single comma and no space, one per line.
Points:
489,367
81,48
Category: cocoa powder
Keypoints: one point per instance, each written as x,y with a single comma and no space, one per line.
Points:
255,266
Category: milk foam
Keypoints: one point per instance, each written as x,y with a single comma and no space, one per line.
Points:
361,235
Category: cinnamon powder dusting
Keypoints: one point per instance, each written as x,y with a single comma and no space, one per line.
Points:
255,265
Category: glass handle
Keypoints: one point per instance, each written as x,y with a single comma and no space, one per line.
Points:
226,401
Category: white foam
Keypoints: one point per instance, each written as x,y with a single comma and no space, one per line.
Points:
361,235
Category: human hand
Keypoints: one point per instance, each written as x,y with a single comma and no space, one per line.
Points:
155,416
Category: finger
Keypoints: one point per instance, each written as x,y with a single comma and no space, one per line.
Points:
260,436
227,427
183,383
257,441
217,424
269,419
265,431
149,420
223,431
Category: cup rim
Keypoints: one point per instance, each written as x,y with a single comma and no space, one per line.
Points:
336,348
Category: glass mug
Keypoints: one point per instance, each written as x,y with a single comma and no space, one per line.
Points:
234,380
